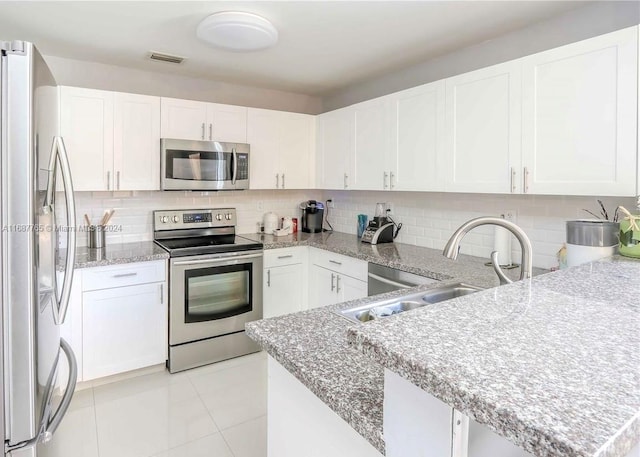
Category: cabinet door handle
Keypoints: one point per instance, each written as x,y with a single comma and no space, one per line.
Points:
384,180
277,180
117,180
268,278
335,262
211,132
346,183
162,294
283,180
285,256
333,278
512,182
108,180
391,176
203,130
526,180
337,284
125,275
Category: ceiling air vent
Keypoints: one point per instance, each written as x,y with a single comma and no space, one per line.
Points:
159,56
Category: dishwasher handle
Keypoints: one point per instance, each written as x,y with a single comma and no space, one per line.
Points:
390,282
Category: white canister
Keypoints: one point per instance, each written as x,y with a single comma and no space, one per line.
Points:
589,240
270,222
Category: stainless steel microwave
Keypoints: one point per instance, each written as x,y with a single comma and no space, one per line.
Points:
203,165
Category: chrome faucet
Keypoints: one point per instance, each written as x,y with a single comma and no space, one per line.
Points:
453,245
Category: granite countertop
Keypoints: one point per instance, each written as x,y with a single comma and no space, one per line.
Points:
341,376
115,254
413,259
552,364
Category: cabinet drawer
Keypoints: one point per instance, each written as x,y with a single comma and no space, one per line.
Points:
284,256
123,275
340,263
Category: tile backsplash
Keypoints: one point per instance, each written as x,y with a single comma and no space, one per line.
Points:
133,210
429,219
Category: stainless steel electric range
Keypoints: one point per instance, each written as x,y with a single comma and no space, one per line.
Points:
215,285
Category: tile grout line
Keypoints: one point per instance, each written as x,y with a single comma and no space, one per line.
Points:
95,420
211,416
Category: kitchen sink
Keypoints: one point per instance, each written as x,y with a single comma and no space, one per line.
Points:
449,292
382,309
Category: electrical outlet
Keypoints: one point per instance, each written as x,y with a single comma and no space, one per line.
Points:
260,205
389,207
330,203
511,215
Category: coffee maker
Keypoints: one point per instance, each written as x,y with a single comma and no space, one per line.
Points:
312,216
380,228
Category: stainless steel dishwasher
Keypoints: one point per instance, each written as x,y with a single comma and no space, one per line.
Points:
385,279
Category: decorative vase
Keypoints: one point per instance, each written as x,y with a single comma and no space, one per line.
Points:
630,235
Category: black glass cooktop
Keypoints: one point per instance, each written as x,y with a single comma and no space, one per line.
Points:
179,247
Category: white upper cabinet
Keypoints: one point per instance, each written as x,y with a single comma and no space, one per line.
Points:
580,117
334,149
86,125
136,142
113,139
282,149
183,119
417,137
192,120
371,146
226,123
483,133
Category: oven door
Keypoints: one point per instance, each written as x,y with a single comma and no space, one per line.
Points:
214,295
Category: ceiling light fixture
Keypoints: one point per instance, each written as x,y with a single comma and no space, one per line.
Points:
237,31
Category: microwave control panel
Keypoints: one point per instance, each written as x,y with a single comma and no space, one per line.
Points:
243,166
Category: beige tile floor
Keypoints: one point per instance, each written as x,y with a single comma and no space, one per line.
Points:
214,411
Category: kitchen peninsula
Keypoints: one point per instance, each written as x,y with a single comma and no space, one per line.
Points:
549,364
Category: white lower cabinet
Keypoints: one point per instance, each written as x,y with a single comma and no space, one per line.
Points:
335,278
300,424
117,319
124,329
284,280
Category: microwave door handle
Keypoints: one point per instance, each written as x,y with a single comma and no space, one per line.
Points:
235,166
59,155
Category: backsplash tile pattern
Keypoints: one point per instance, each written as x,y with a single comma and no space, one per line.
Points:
134,209
429,219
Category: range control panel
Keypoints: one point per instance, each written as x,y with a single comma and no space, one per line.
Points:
194,218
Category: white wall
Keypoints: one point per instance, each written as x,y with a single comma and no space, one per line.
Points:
429,219
134,209
596,18
92,75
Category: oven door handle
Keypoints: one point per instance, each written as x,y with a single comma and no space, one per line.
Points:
217,259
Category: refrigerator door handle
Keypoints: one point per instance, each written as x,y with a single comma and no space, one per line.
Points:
51,422
54,422
59,155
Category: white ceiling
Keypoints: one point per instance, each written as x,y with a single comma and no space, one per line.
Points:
323,45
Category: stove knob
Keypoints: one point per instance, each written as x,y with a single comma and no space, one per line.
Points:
218,217
164,219
228,216
175,219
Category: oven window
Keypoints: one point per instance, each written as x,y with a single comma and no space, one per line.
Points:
199,165
217,292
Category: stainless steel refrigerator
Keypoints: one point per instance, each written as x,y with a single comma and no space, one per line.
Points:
38,216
